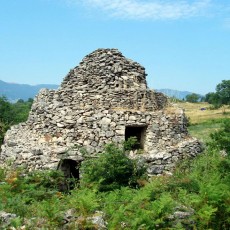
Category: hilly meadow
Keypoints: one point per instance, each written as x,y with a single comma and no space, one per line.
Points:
195,196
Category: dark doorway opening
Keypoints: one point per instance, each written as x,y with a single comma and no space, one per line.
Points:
70,169
136,131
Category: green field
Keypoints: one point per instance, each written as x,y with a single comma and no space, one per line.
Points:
203,123
203,130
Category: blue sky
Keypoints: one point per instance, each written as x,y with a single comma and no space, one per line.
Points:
183,45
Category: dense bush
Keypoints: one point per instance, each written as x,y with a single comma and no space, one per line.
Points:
112,169
221,138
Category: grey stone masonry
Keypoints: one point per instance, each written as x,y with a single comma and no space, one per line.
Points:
105,99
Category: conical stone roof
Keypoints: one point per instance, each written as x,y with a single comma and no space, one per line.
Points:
107,68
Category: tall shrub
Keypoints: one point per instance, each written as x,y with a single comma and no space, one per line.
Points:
111,170
221,139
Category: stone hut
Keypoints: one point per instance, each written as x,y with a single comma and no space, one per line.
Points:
105,99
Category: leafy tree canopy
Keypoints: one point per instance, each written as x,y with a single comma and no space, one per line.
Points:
192,97
223,91
12,113
221,96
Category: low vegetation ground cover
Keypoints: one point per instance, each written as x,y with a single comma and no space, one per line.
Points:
198,189
196,196
203,130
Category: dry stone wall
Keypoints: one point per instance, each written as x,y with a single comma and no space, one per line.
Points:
104,99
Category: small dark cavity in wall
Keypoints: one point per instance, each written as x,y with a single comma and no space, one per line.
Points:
136,131
70,169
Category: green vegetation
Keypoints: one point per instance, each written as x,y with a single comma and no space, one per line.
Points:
203,130
221,96
193,98
12,113
217,99
110,184
221,138
200,188
112,169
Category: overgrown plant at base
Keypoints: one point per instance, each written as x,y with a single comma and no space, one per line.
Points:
32,197
221,138
130,144
112,169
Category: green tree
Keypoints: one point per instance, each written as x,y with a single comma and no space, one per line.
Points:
20,110
212,98
30,100
221,96
12,113
5,110
192,98
3,128
223,92
20,101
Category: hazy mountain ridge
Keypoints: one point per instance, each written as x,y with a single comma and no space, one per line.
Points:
15,91
174,93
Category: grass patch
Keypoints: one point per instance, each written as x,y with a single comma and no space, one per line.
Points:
202,131
204,122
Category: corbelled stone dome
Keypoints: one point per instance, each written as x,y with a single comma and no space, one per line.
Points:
107,68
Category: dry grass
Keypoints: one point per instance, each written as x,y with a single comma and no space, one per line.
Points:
196,115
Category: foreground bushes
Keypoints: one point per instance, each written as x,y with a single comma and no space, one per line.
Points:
201,188
196,196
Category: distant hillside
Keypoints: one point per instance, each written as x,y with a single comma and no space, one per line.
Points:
14,91
174,93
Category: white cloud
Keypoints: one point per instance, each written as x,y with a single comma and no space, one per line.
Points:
149,9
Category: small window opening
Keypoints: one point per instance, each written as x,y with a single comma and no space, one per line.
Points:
70,169
117,85
136,131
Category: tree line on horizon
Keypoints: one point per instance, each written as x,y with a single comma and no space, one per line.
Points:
217,99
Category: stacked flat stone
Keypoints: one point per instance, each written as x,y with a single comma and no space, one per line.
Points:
94,105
